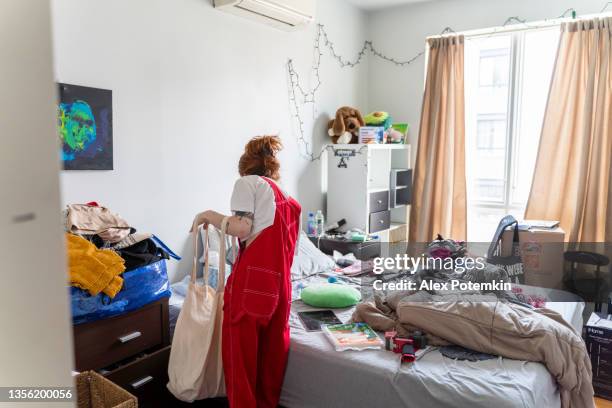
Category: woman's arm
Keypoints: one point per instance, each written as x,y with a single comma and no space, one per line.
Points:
239,225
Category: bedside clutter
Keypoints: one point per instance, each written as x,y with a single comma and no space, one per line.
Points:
362,250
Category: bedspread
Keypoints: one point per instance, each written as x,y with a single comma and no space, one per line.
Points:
494,326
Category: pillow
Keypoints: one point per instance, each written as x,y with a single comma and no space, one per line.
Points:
309,260
330,295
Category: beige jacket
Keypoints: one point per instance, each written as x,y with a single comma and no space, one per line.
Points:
496,327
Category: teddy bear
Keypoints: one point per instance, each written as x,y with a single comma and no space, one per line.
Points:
344,128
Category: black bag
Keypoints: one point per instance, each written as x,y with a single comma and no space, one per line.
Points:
512,264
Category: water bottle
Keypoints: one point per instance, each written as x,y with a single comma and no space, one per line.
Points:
311,226
213,268
320,222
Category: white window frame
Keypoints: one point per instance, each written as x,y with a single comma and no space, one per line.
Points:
509,203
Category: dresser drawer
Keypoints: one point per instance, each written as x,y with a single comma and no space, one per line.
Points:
401,178
380,221
104,342
379,201
145,377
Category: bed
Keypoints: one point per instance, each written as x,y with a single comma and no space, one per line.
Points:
317,376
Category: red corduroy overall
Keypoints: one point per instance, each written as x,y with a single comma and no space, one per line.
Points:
257,303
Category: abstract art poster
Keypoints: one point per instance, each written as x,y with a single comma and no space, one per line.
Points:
85,127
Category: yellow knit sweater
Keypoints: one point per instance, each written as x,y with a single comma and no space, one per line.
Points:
92,269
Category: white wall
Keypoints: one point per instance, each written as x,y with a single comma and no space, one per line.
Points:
190,86
35,345
401,31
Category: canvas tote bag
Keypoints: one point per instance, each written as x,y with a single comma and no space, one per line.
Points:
195,369
511,264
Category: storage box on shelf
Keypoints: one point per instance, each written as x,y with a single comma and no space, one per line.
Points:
370,185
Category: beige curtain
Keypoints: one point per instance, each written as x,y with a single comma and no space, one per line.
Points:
574,166
439,199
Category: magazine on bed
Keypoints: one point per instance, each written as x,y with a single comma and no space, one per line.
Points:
352,336
313,320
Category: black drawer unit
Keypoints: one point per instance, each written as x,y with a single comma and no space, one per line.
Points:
379,201
380,221
401,178
400,196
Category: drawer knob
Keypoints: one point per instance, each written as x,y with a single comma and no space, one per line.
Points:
139,383
130,337
381,221
379,201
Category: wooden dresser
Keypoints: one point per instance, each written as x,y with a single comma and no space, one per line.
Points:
132,350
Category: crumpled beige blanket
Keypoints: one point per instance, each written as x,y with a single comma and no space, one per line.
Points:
486,324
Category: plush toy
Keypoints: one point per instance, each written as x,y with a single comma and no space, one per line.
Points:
378,118
344,128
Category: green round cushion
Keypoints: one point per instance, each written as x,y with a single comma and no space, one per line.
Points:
330,295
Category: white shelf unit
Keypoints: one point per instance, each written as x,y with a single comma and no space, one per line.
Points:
370,185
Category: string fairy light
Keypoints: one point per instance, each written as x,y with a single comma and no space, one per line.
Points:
298,95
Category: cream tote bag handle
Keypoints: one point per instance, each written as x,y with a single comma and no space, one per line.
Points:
222,253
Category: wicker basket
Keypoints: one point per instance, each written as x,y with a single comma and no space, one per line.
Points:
95,391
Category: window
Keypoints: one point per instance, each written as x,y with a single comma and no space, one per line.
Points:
507,77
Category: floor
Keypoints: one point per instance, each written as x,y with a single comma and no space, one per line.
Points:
221,403
602,403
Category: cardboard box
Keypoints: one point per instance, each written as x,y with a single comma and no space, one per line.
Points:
542,255
598,338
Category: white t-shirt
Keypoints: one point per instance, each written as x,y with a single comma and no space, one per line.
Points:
254,195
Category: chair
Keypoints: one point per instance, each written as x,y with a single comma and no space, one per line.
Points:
590,289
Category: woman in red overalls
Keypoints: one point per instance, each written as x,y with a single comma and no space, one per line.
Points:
258,293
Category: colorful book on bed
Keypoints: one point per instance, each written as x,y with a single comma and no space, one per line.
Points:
352,336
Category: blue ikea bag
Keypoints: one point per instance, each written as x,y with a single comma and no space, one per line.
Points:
141,286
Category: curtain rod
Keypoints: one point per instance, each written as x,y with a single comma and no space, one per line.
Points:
543,24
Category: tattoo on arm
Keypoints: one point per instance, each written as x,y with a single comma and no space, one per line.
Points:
245,218
244,214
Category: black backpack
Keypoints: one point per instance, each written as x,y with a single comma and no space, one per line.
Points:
512,264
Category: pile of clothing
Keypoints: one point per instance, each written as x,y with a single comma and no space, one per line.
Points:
492,322
102,246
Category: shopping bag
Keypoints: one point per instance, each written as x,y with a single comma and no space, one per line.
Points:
195,369
511,264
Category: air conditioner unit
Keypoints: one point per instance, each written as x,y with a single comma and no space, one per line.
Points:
284,14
